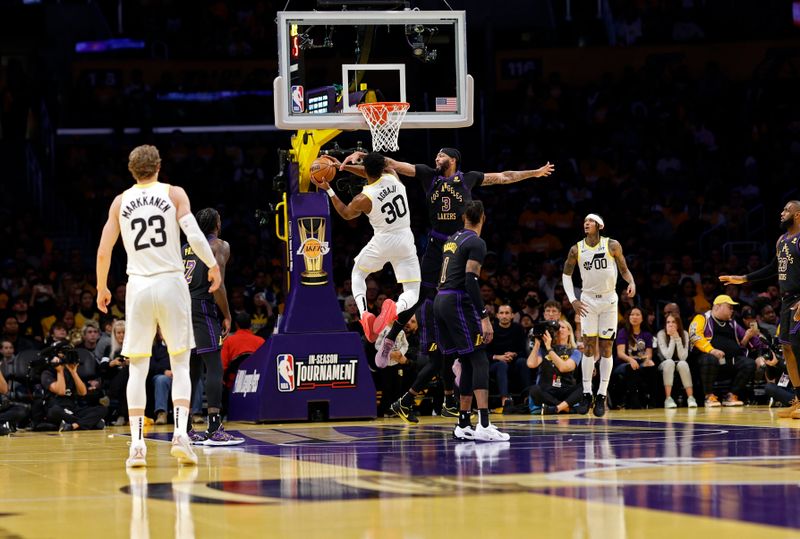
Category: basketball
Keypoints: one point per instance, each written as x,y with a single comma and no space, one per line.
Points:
322,170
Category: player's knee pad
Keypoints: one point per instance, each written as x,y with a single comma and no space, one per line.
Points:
480,369
181,379
136,391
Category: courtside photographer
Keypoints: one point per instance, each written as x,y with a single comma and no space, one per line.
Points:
63,387
557,389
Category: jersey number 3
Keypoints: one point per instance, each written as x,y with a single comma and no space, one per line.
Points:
158,238
394,209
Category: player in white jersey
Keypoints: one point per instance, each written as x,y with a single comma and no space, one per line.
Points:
385,203
599,259
150,216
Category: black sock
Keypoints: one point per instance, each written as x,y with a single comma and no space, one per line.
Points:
450,401
214,422
397,327
797,392
464,419
483,417
407,400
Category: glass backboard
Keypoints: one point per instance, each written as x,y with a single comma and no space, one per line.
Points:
330,61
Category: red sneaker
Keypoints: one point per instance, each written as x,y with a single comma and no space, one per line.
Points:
388,316
368,323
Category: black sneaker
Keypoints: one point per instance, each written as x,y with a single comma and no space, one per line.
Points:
101,425
64,426
5,429
406,413
449,411
549,409
599,406
584,404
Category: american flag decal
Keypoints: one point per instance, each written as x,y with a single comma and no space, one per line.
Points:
446,104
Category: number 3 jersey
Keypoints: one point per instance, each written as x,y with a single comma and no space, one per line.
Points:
389,213
598,268
150,231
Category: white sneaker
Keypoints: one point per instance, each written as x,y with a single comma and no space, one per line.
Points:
691,402
466,433
182,449
137,458
670,403
490,434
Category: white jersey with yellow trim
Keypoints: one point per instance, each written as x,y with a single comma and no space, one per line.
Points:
390,212
598,268
150,230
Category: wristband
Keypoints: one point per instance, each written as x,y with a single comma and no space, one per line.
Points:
331,192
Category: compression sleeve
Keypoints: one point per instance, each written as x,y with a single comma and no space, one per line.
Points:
474,292
768,271
197,240
569,288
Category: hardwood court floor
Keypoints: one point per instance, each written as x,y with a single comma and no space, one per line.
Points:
677,474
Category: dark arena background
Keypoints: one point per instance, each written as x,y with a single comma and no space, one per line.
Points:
676,121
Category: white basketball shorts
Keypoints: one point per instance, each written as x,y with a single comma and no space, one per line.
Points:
161,301
601,317
396,248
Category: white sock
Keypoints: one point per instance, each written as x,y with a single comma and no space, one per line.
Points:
137,426
606,366
587,368
181,419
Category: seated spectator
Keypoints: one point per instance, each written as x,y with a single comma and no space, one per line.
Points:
118,306
557,389
672,344
767,319
779,387
12,414
57,333
758,349
552,312
87,310
507,355
635,372
11,334
115,371
401,370
160,375
63,386
720,342
242,341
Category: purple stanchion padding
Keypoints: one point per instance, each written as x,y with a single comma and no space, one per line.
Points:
313,358
311,307
291,370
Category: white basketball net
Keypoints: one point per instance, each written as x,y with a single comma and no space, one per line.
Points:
384,121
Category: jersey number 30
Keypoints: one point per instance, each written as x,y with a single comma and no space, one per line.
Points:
394,209
158,238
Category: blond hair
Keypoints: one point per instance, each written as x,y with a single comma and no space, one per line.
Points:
144,162
115,346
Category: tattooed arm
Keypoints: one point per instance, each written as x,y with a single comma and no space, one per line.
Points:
513,176
616,251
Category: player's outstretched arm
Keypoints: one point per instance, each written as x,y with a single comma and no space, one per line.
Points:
761,274
350,165
513,176
361,203
104,250
622,264
566,280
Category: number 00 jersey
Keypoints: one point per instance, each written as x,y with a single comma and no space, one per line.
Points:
598,268
150,231
389,205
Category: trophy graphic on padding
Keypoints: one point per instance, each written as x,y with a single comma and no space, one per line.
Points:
313,248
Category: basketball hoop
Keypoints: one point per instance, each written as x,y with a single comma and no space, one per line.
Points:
384,119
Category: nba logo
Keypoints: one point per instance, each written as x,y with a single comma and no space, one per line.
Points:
285,373
298,103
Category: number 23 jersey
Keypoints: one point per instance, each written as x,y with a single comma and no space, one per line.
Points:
390,212
150,231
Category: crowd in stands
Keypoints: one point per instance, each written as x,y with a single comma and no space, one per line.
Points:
683,166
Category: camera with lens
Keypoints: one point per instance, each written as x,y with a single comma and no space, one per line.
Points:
549,326
60,353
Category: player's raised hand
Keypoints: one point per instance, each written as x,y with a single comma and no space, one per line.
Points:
352,159
545,171
103,299
215,278
732,279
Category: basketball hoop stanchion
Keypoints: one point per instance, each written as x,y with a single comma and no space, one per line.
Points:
313,367
384,120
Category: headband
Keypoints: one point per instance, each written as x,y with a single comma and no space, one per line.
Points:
452,152
597,219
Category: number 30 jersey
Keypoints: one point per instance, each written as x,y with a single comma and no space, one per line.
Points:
598,268
150,232
390,212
